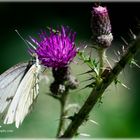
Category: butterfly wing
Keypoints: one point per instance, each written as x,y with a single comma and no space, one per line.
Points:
24,97
9,82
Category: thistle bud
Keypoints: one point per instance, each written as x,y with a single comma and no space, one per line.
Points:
63,80
101,27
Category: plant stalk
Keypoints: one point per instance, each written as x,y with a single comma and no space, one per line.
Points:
63,101
101,53
96,93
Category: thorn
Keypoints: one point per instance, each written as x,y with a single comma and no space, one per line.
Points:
92,78
90,71
116,61
123,49
124,41
118,52
94,122
85,47
108,62
134,63
22,38
118,57
116,81
87,86
84,134
125,86
137,65
90,85
132,34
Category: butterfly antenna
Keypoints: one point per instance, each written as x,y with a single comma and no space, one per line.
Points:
133,36
125,42
22,38
31,45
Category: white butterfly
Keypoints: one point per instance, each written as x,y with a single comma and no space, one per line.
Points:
18,89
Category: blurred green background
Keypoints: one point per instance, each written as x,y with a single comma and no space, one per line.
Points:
119,114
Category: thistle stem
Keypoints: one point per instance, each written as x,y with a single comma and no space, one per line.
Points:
63,101
97,92
101,53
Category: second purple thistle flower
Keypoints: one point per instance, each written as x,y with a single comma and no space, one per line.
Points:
57,49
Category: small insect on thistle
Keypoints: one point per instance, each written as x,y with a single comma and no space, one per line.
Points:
18,90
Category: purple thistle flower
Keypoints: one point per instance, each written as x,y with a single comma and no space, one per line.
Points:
57,49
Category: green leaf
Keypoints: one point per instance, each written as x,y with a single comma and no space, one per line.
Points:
92,63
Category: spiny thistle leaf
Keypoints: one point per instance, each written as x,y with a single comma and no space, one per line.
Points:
92,78
90,85
92,63
87,72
